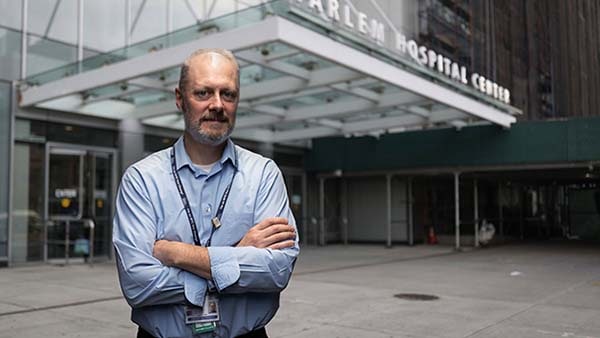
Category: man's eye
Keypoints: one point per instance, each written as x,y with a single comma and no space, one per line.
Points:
229,95
201,93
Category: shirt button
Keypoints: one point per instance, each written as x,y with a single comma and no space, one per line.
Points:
207,210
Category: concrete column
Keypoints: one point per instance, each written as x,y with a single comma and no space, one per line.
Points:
521,205
321,211
457,210
476,213
500,214
305,222
266,149
411,230
388,197
12,192
131,141
344,198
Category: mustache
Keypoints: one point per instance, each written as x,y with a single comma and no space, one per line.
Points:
214,117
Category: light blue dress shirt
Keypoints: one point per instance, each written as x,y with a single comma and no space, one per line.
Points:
248,279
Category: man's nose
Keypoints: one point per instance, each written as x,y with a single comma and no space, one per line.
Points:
216,102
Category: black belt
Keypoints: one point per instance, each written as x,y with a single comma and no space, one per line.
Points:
143,333
258,333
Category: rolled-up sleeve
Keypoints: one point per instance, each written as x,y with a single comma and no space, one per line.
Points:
144,279
249,269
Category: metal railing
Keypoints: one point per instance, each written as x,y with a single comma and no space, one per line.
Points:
74,236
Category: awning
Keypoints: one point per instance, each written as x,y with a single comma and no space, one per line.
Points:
297,83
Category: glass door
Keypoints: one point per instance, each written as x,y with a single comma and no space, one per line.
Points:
79,198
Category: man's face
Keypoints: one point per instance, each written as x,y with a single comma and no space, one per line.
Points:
210,98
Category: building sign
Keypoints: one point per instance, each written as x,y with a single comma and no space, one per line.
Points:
65,204
65,193
344,15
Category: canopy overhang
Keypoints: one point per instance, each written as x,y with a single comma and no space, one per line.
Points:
297,84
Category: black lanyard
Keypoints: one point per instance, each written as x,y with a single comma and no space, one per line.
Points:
216,221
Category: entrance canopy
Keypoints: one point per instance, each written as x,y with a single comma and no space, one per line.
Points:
298,82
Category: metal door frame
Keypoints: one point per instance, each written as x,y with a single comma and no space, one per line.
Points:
85,150
294,171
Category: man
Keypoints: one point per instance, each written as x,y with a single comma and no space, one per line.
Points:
183,228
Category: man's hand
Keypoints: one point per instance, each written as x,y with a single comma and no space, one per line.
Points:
273,233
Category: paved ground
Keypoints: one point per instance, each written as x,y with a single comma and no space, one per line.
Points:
535,290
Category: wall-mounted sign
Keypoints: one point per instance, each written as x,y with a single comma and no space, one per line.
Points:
65,193
65,204
345,16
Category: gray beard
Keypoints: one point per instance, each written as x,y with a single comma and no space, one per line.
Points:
204,138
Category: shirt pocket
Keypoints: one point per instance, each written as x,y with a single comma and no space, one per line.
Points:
234,226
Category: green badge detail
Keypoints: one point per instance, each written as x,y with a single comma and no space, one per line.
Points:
204,327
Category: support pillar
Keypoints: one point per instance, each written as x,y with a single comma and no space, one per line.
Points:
321,211
305,222
411,230
476,213
388,194
79,34
522,204
131,141
10,235
500,213
24,29
266,149
457,210
344,198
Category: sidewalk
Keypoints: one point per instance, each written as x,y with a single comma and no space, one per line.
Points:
550,290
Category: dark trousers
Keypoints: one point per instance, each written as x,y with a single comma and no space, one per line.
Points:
258,333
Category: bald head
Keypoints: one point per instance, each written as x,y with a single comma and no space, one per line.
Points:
210,55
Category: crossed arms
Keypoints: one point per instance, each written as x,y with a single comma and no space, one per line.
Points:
273,233
155,271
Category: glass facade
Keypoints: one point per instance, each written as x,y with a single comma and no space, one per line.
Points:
28,203
10,54
64,170
80,161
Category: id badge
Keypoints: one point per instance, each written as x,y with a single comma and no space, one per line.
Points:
209,312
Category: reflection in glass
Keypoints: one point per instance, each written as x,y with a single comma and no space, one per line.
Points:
44,54
64,186
80,194
28,203
10,54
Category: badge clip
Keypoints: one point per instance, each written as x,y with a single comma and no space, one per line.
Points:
216,223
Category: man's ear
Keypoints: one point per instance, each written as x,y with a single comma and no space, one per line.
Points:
179,100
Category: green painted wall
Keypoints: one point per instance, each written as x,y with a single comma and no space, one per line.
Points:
524,143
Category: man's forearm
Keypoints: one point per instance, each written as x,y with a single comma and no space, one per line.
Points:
250,269
273,233
192,258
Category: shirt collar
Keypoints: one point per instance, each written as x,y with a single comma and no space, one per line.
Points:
183,159
229,154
